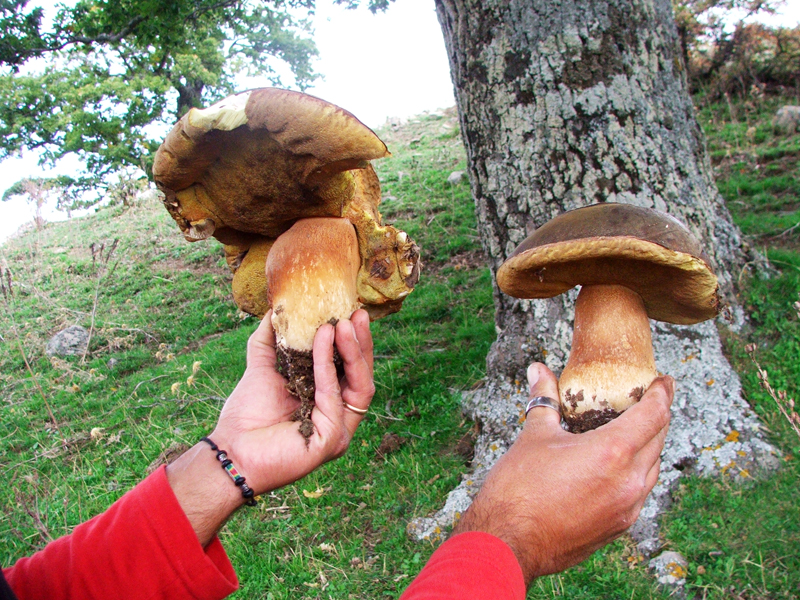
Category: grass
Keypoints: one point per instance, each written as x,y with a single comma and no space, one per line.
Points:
77,433
741,541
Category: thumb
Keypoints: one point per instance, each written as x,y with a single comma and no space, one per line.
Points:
261,345
542,382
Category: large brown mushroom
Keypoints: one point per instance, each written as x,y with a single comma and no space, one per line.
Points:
632,264
283,181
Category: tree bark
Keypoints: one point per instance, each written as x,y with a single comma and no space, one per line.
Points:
570,103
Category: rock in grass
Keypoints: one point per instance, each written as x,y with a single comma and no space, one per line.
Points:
670,570
68,342
787,120
455,177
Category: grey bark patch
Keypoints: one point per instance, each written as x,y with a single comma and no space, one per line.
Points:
71,341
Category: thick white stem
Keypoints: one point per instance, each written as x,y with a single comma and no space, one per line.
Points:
611,363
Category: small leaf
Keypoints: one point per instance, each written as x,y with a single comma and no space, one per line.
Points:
315,494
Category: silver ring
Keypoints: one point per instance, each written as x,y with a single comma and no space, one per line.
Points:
355,409
543,401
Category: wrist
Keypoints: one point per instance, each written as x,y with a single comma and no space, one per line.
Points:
204,490
498,521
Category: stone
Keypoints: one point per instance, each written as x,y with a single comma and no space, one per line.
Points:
787,120
71,341
670,569
455,177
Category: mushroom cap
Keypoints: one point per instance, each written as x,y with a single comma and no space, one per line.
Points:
643,249
259,160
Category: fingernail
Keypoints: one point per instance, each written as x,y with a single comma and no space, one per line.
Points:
353,329
670,385
533,375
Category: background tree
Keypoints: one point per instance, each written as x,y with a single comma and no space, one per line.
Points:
704,21
565,104
105,79
37,191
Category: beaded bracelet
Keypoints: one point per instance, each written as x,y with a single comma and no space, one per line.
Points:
222,456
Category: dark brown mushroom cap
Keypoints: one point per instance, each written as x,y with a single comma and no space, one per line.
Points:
258,161
643,249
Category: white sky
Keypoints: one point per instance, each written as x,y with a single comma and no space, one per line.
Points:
392,64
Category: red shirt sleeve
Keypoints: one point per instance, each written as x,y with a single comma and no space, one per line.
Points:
473,565
142,547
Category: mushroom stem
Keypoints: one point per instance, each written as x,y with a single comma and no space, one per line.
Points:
611,363
312,271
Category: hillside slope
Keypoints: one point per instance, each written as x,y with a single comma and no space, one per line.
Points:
168,345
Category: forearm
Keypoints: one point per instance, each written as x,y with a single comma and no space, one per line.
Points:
204,490
142,546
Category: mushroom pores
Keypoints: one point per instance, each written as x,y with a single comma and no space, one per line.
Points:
632,264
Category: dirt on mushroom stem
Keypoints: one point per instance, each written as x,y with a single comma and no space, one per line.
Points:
297,366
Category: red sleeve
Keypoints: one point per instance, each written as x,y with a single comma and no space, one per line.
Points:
142,547
473,565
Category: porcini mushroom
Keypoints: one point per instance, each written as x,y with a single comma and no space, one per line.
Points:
312,271
283,180
632,264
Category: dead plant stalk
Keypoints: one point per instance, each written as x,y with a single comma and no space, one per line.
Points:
785,404
99,252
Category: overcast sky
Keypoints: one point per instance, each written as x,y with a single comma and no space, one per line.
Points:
376,66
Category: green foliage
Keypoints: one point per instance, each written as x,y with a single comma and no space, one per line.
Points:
118,73
722,61
758,169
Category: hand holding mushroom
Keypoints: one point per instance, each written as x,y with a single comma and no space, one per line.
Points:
283,180
554,497
632,263
256,429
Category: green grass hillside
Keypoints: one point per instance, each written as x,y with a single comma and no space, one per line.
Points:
168,345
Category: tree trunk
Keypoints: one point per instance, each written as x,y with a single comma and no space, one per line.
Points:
190,96
564,104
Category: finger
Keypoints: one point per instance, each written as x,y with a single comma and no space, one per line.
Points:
650,481
651,453
542,382
645,419
360,320
325,378
358,386
261,345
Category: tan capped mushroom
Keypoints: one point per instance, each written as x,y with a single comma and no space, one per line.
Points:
632,264
312,271
283,180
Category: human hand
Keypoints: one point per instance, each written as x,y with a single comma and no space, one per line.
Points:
255,427
556,497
